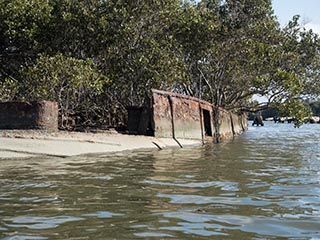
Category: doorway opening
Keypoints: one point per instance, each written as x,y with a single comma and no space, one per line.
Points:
207,123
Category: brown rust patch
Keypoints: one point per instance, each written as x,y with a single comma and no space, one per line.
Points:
29,115
179,116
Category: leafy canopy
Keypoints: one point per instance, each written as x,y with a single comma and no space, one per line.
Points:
109,54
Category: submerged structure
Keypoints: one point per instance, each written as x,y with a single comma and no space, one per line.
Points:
168,115
179,116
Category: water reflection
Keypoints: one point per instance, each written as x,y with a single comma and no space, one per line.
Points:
263,184
32,222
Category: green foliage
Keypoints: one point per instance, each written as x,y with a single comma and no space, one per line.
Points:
240,55
97,57
71,82
144,53
23,21
294,107
61,74
8,90
250,55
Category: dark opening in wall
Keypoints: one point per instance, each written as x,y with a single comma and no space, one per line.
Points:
140,121
207,122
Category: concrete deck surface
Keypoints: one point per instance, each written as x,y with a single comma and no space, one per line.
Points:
25,144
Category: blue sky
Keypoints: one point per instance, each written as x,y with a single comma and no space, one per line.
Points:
309,10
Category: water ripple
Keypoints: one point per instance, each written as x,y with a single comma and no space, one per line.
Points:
32,222
227,186
196,199
102,214
22,237
199,223
263,184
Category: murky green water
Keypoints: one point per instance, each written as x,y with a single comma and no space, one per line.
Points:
264,184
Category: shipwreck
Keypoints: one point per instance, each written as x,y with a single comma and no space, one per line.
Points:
177,116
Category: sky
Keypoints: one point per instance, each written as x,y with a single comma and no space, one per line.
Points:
309,10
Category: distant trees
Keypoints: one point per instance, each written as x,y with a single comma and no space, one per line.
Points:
97,57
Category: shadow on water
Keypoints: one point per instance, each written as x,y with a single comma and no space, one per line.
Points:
262,184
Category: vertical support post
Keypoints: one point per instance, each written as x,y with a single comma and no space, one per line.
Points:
201,123
216,121
232,125
172,122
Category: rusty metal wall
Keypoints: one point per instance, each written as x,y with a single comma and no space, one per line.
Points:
186,118
162,117
240,123
226,127
29,115
236,123
244,121
180,116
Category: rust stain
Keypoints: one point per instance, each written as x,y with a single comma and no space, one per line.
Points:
29,115
187,119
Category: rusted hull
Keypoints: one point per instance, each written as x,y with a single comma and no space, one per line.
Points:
184,117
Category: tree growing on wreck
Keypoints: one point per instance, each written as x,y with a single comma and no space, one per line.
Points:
248,54
220,51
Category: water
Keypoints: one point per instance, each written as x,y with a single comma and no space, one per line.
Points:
265,184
